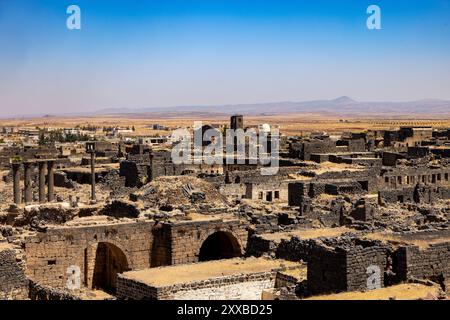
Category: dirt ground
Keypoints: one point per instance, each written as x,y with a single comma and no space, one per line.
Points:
292,124
409,291
308,233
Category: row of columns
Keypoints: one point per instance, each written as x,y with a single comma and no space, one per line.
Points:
28,183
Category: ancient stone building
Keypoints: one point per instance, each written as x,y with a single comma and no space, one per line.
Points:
348,267
100,252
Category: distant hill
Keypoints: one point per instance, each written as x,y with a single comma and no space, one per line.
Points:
342,106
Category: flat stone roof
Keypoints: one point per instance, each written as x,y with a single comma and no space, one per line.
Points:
422,239
307,233
186,273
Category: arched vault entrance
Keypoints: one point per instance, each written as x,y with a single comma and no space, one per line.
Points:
109,261
220,245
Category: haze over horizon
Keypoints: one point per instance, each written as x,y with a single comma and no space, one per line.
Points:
134,54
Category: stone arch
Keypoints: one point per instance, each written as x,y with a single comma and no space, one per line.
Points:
219,245
110,260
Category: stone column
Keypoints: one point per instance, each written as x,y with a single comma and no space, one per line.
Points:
42,181
93,197
27,182
16,183
51,180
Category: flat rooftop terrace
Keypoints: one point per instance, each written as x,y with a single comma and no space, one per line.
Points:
307,233
171,275
422,239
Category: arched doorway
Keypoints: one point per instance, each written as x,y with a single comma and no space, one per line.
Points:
219,245
109,261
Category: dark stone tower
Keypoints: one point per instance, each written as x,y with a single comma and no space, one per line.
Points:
237,122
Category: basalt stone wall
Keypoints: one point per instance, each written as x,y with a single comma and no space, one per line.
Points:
393,196
188,237
296,193
329,217
285,280
251,176
50,254
61,180
258,246
41,292
343,187
265,222
359,262
367,177
161,252
304,149
397,178
316,189
135,174
363,211
236,287
26,154
295,249
13,282
326,271
431,263
345,268
137,245
368,162
423,194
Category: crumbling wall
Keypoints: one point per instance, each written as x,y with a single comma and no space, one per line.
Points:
162,245
304,149
61,180
136,175
41,292
348,267
326,271
295,249
421,193
51,253
144,245
188,237
296,193
258,246
431,263
236,287
120,209
13,282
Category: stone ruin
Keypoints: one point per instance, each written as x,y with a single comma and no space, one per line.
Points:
361,212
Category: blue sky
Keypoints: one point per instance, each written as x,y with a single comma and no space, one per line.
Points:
211,52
